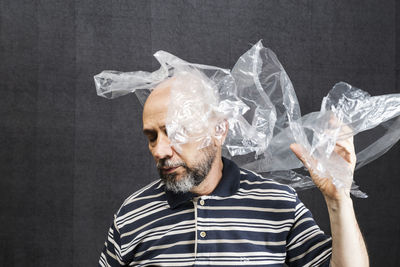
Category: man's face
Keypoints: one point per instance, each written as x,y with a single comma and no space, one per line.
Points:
179,171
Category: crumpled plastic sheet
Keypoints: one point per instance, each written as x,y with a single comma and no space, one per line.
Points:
259,103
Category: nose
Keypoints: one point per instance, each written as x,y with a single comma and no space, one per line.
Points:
163,148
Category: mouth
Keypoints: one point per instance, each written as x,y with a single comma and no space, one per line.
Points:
169,169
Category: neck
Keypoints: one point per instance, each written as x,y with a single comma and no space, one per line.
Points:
212,180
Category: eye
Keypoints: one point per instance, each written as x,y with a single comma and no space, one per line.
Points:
152,138
151,135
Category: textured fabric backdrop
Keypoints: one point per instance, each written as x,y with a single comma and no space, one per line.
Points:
68,158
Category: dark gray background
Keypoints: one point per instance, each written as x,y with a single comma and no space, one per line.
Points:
68,158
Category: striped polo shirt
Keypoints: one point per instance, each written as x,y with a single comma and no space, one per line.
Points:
247,221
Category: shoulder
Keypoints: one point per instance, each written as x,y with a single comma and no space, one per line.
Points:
251,181
141,200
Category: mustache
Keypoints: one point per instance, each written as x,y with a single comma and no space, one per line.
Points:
165,163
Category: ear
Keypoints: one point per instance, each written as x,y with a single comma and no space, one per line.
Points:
221,131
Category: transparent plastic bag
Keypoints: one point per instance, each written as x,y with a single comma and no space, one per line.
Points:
353,111
259,103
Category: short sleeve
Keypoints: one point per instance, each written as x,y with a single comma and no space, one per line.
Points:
307,245
111,254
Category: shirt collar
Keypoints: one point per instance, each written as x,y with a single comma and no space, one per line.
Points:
228,185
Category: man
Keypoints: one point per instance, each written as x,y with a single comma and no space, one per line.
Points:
206,211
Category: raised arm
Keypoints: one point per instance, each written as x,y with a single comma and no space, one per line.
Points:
348,246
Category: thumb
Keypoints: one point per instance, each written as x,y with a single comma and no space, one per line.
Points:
302,154
298,150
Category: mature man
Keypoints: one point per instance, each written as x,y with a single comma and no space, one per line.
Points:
205,210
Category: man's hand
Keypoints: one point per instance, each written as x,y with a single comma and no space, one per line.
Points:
343,158
348,247
343,148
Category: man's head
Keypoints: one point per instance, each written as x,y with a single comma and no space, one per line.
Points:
187,167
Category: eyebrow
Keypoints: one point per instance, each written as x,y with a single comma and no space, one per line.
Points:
148,132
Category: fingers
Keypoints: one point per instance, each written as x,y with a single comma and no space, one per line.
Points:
347,153
344,147
343,152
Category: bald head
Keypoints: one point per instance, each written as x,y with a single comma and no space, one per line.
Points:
185,105
158,101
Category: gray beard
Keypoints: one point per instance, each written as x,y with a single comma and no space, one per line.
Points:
192,176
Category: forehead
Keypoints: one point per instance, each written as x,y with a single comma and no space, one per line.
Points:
156,106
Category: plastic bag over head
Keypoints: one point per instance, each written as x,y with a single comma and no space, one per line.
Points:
257,100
